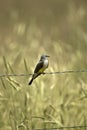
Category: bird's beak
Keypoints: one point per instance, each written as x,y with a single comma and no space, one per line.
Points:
47,56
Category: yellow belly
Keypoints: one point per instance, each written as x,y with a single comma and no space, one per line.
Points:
41,70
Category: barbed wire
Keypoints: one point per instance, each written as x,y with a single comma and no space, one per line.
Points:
68,127
58,72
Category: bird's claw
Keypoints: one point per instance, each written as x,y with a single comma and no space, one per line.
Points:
43,73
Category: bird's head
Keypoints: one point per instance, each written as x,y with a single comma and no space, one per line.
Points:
44,56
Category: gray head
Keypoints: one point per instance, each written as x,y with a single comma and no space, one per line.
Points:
44,57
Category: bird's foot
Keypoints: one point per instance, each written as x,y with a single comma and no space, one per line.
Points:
43,73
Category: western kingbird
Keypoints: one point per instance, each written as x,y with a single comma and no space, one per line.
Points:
40,67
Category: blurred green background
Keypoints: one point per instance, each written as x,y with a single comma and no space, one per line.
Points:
28,29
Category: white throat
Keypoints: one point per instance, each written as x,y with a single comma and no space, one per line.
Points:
46,63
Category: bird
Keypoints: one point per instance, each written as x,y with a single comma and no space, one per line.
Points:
41,66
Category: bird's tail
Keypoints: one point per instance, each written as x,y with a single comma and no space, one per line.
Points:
33,77
30,82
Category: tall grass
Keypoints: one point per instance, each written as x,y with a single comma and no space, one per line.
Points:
53,101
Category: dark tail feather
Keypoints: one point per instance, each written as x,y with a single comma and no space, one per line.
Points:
30,82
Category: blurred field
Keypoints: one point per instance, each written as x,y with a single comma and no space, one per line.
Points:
29,29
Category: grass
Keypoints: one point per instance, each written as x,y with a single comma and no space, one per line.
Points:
52,101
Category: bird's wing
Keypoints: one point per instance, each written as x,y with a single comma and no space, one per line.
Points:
38,67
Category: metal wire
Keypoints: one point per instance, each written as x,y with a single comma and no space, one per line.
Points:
68,127
58,72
